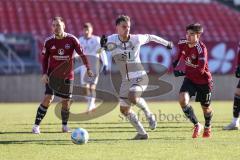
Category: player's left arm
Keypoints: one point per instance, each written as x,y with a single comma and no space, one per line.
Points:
160,40
202,60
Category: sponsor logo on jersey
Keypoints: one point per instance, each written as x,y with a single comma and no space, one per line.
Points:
183,52
67,46
61,52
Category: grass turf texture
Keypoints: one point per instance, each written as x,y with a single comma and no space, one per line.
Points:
110,135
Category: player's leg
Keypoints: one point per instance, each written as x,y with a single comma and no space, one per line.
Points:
204,97
187,90
66,96
83,82
133,119
90,85
234,125
65,111
208,114
135,98
128,113
42,109
92,97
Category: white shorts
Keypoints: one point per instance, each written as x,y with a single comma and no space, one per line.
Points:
85,79
94,63
138,85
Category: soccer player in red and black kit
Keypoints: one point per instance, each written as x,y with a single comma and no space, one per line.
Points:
58,49
234,125
198,79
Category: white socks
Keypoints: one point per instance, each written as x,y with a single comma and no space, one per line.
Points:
144,107
235,121
133,119
91,103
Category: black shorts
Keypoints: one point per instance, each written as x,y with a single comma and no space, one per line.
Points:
63,90
238,86
202,92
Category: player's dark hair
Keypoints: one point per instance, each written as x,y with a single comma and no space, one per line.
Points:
58,18
122,18
195,27
87,25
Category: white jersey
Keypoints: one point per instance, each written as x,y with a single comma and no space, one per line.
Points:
127,54
90,47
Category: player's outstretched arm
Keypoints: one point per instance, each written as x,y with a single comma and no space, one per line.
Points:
160,40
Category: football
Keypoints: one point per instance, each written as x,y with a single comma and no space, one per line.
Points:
80,136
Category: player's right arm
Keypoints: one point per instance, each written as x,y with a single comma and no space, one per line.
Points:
178,73
45,62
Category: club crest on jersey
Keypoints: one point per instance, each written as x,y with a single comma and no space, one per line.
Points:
67,46
61,52
111,46
188,60
193,56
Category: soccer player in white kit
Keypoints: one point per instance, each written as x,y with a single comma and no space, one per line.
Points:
125,49
91,44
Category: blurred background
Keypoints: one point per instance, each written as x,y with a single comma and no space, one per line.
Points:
24,25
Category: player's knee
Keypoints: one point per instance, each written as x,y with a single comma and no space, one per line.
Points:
48,100
183,99
237,92
236,100
124,110
92,87
66,104
205,105
133,97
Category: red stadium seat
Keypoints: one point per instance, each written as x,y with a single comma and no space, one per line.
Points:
165,19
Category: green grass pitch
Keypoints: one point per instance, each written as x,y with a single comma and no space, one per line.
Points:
110,135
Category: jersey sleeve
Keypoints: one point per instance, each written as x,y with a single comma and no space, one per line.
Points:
146,38
202,59
178,55
159,40
79,51
238,54
45,58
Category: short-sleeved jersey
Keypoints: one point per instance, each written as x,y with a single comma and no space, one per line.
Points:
90,47
57,51
127,54
196,62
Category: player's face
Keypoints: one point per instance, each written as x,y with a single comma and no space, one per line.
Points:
58,27
123,29
192,37
87,31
